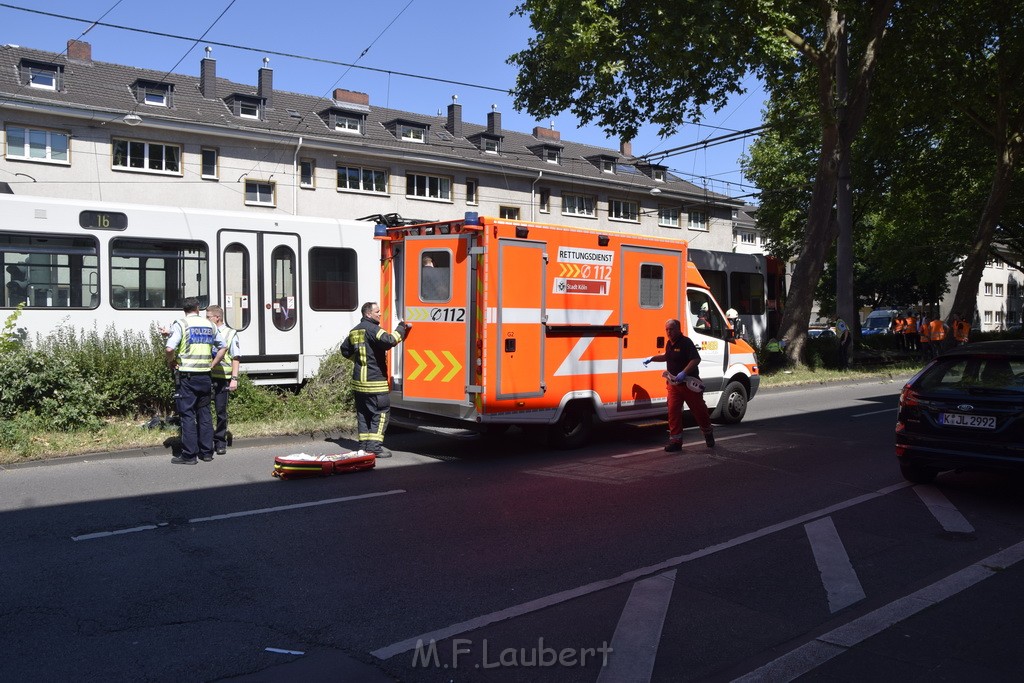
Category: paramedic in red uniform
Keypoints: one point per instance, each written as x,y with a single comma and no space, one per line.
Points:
367,347
682,359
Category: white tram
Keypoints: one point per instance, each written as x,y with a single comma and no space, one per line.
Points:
291,286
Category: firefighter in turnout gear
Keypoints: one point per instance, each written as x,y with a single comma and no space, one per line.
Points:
366,346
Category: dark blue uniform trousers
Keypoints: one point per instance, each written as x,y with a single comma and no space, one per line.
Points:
193,404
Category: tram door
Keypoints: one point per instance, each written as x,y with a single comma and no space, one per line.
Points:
259,281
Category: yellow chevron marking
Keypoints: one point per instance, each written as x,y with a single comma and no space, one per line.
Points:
438,366
456,366
419,362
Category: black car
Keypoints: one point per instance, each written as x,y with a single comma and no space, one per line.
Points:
964,410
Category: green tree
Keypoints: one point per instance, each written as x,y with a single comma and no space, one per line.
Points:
626,62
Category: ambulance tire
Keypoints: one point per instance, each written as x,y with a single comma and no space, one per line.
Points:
732,406
574,427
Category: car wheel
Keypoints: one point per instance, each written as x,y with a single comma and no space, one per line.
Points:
573,428
732,406
919,474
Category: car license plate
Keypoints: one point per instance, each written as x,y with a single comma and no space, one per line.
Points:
964,420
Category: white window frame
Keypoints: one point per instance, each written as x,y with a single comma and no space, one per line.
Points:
623,210
48,137
490,146
148,147
544,200
353,125
552,155
265,192
311,183
988,317
509,213
155,95
658,175
249,108
416,134
579,205
697,220
216,163
472,191
668,216
44,77
748,238
428,187
988,289
364,173
607,166
999,289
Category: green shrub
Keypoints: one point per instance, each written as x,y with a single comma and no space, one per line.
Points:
329,392
65,398
252,403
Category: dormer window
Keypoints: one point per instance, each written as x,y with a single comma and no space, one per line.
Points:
552,155
490,145
411,133
348,124
153,94
604,162
40,75
246,107
658,174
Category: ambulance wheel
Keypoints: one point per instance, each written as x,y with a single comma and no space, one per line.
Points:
733,404
573,428
495,431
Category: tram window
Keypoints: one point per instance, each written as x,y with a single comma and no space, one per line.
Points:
747,293
333,280
158,273
236,287
282,269
652,285
45,271
436,276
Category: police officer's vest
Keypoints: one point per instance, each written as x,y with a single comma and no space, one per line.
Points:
223,369
195,350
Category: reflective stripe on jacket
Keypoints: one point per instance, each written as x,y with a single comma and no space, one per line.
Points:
195,350
223,369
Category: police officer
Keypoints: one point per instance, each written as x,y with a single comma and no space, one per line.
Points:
193,348
366,346
224,376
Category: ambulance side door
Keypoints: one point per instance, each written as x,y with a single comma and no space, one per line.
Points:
706,326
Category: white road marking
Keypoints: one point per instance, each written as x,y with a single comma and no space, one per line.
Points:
232,515
837,574
389,651
944,511
283,652
685,445
638,633
877,412
813,654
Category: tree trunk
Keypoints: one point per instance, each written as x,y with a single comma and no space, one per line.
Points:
845,303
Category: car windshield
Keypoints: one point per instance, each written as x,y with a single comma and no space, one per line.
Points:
975,374
876,323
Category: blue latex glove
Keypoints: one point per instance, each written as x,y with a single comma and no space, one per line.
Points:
647,362
681,377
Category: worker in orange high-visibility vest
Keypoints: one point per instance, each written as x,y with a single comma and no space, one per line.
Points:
897,329
924,339
937,332
961,330
910,331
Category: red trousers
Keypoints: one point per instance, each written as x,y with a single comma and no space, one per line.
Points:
678,394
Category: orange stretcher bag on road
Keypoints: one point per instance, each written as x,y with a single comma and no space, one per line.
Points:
302,466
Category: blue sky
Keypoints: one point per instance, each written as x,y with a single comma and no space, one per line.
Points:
451,40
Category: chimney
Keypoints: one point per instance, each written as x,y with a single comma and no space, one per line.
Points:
208,76
546,134
494,121
626,148
79,51
265,87
351,97
454,124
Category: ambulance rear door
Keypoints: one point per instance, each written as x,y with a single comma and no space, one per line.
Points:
436,300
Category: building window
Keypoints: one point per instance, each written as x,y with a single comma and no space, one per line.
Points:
37,144
428,186
552,155
349,124
333,279
412,133
210,167
471,191
748,238
490,146
545,200
622,210
307,173
359,179
999,318
659,175
698,220
135,155
988,317
45,76
999,289
668,216
260,193
153,94
988,289
607,166
509,213
577,205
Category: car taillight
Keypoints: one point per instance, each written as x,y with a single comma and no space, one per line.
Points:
908,397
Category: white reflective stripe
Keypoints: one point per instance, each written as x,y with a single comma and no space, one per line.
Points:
556,316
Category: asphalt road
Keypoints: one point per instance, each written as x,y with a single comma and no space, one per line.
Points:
793,549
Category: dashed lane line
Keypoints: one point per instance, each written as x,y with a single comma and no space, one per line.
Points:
838,576
876,412
813,654
232,515
389,651
944,511
638,632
